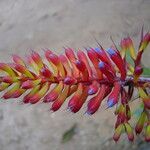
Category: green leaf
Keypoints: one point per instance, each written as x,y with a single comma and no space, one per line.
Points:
137,112
67,136
146,71
129,59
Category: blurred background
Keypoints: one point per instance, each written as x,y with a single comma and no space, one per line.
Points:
37,24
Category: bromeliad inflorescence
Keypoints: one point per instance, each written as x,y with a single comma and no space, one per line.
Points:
96,74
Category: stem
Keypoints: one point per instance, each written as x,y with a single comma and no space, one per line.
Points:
141,81
129,80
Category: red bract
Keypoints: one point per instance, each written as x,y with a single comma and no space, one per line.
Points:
114,95
118,132
140,124
82,68
76,102
105,69
119,62
129,131
93,88
46,72
60,100
95,102
18,60
95,61
53,94
147,132
83,57
95,74
37,59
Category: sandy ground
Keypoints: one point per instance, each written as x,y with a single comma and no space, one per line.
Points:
36,24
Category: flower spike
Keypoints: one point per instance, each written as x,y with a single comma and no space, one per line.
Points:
86,76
